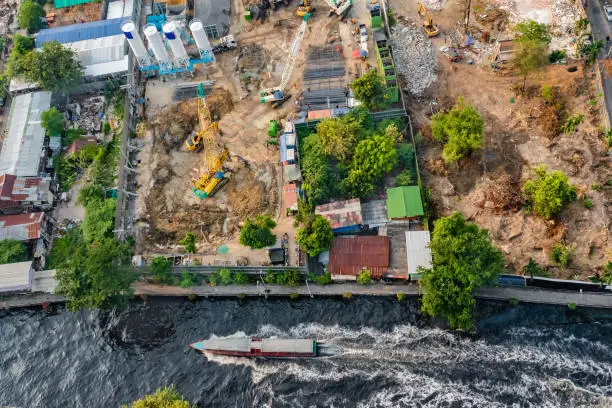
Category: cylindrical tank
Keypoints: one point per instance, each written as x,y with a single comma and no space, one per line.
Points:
156,44
201,40
131,33
174,41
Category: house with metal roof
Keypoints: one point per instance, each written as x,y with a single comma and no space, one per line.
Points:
418,252
343,216
290,198
20,193
22,149
404,203
16,276
374,213
348,256
22,227
81,32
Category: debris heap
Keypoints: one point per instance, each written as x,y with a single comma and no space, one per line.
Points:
414,57
433,4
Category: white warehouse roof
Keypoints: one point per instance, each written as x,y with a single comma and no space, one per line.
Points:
99,50
107,68
417,250
23,145
120,8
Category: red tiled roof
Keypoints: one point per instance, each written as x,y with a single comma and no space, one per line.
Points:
348,256
290,194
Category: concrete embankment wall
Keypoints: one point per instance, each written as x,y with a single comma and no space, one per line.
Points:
522,295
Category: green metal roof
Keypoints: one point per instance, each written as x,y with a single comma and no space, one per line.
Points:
404,202
69,3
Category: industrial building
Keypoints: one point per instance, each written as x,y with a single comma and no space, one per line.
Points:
23,148
24,193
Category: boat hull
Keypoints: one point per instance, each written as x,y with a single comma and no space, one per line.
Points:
258,347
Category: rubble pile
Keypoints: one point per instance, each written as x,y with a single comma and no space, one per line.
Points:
414,57
8,12
565,15
433,4
87,114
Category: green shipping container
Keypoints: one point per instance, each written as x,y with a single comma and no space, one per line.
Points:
272,128
375,21
247,15
69,3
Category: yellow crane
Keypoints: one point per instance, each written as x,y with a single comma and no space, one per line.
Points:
428,25
215,154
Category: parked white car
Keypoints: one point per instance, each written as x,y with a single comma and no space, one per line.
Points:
607,11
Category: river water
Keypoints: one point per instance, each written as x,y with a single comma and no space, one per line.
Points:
381,353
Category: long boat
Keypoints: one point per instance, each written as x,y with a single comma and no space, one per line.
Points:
258,347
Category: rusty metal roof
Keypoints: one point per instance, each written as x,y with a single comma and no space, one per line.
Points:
22,227
16,190
341,213
349,256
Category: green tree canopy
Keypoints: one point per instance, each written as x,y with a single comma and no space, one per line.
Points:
315,236
257,233
12,251
29,16
53,67
549,193
99,219
337,136
166,397
463,260
53,121
161,268
318,183
530,30
530,56
189,243
22,45
460,130
96,276
370,90
375,156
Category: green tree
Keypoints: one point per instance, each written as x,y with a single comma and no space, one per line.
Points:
257,233
529,56
405,155
357,184
549,193
55,68
29,16
315,236
62,247
96,276
189,243
225,276
337,136
392,132
166,397
530,30
533,269
463,260
21,46
161,268
460,130
99,219
52,121
370,90
375,156
364,277
318,184
12,251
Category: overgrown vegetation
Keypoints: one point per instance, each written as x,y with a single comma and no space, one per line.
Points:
370,90
572,123
315,236
562,254
12,251
463,260
257,233
52,121
364,277
166,397
29,16
534,269
189,242
460,130
549,193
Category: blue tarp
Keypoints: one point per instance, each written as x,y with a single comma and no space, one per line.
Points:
81,32
283,148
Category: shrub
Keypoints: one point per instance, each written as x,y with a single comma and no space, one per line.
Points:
405,178
241,278
189,243
347,295
571,306
548,94
161,267
315,236
587,202
270,277
294,295
324,279
533,269
549,193
562,254
107,127
556,56
186,279
52,121
289,278
572,123
400,296
225,276
405,155
12,251
192,297
364,277
29,16
257,233
513,301
596,186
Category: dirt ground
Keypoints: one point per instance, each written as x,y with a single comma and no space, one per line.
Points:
486,187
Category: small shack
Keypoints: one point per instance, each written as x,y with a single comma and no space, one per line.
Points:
418,252
404,203
290,198
344,216
348,256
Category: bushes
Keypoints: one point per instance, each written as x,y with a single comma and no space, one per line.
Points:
370,90
257,234
29,16
364,277
316,236
572,123
562,254
161,267
52,121
406,178
324,279
186,280
549,193
241,278
12,251
189,243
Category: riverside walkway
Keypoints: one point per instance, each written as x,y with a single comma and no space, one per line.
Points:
522,295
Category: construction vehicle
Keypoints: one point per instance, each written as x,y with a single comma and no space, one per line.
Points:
213,177
339,7
277,95
428,25
195,142
304,8
226,43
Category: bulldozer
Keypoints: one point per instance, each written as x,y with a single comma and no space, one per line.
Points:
304,8
428,25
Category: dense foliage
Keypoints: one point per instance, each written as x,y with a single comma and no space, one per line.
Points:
337,137
460,130
189,243
364,277
21,46
549,193
315,236
370,90
257,233
12,251
463,260
29,16
530,30
54,67
318,181
166,397
52,121
161,268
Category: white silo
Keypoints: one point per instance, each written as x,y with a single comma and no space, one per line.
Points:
138,48
173,38
156,44
201,40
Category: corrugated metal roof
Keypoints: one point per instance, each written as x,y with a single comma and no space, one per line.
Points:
404,202
107,68
99,50
22,148
69,3
292,172
349,256
417,250
341,213
290,196
22,227
374,213
16,276
81,32
16,190
44,281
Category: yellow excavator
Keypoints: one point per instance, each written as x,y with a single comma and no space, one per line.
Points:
195,142
213,177
304,8
428,25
